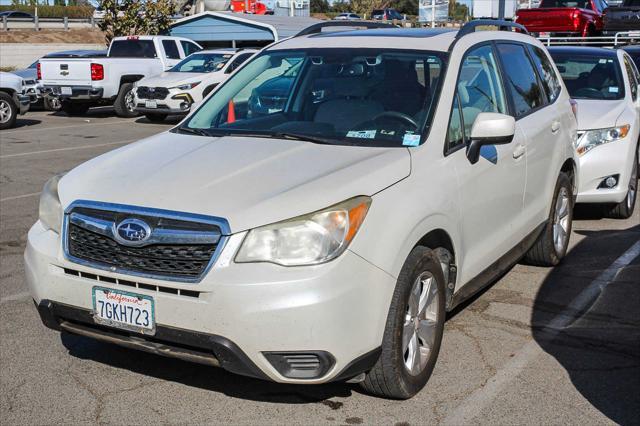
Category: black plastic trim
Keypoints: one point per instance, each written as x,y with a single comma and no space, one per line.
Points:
362,364
317,28
279,362
222,351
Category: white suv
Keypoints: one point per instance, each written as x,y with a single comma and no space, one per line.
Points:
325,236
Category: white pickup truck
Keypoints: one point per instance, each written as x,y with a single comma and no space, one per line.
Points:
81,83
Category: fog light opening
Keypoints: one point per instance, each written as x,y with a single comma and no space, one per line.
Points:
609,182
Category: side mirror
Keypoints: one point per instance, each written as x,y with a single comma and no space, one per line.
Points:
490,128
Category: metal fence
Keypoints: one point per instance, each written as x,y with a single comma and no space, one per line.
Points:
39,23
619,39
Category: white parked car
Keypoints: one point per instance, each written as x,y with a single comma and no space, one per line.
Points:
188,82
605,84
13,100
347,17
322,238
81,83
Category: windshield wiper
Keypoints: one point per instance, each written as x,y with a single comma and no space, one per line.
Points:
302,137
192,131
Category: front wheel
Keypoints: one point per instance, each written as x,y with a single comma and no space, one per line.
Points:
552,244
624,210
8,111
125,104
413,331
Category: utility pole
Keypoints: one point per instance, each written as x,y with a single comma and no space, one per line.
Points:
501,8
433,13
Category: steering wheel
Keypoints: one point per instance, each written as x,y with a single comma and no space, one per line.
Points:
589,92
399,116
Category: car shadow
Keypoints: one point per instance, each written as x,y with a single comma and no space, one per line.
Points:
25,122
600,346
201,376
171,120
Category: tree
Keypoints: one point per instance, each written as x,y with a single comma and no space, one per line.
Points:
135,17
319,6
362,7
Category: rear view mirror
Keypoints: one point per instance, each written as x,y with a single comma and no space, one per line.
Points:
490,128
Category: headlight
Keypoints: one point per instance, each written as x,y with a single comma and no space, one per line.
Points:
593,138
306,240
50,208
185,86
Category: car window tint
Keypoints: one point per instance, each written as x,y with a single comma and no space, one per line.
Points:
590,76
189,48
170,49
132,48
633,82
547,73
237,62
520,79
479,86
455,135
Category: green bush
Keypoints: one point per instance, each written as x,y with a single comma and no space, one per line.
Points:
77,12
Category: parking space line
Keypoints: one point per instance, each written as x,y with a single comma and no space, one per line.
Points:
17,197
481,398
84,123
14,297
23,154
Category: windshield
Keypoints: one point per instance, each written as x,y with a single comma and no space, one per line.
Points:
368,97
202,62
590,77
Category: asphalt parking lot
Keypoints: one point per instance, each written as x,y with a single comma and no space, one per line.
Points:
541,346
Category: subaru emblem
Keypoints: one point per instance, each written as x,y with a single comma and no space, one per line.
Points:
132,232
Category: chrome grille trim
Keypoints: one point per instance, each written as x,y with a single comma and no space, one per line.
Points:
160,235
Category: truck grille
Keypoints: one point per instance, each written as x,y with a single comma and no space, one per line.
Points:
158,93
177,250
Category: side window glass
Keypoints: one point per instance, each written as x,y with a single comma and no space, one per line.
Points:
237,62
455,136
170,49
632,78
479,86
547,73
520,79
189,48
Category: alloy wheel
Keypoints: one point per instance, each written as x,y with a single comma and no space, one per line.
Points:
561,220
419,329
129,101
5,111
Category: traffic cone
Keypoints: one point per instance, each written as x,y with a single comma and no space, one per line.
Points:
231,113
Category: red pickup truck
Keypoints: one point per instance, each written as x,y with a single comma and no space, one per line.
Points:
564,17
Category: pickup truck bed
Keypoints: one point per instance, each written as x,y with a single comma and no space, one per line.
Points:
576,21
623,18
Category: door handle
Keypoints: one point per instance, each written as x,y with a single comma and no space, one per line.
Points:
555,126
518,152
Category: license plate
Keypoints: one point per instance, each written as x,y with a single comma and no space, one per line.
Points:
121,309
66,91
151,104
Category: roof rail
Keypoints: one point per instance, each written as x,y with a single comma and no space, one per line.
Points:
471,26
317,28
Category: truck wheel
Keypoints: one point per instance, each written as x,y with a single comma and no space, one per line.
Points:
624,210
124,104
52,104
413,332
74,108
551,245
155,117
8,111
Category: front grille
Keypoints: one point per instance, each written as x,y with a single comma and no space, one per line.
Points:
158,93
180,252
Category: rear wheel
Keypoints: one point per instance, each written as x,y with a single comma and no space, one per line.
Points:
74,108
52,103
551,245
624,210
413,332
8,111
155,117
125,104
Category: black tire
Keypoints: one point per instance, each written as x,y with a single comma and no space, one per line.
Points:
124,104
74,108
544,251
624,210
389,377
8,111
155,117
208,90
52,104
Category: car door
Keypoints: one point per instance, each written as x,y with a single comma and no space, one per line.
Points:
534,87
491,191
171,53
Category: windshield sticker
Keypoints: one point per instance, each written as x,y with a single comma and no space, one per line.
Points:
362,134
227,56
387,132
411,140
613,90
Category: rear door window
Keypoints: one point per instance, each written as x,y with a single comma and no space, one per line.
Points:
170,49
521,79
189,47
547,73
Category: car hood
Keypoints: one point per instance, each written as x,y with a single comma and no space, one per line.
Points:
598,114
248,181
27,74
172,79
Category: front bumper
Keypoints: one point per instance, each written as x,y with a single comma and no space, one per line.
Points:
338,308
615,158
180,106
77,92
